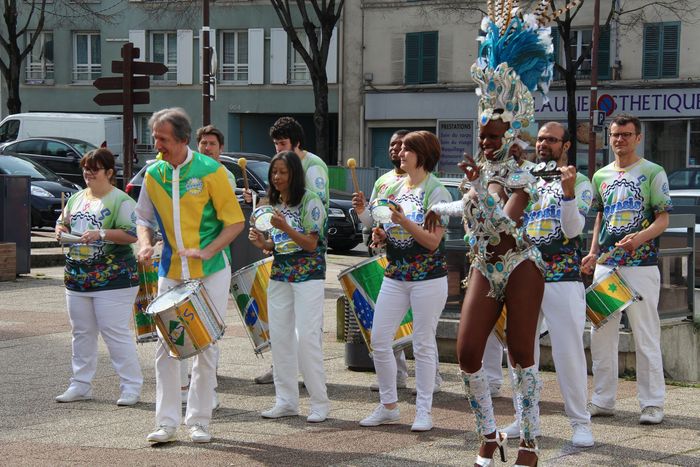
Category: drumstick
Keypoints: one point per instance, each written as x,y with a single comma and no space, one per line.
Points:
351,165
242,163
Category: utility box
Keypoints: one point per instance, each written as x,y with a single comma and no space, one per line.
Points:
15,217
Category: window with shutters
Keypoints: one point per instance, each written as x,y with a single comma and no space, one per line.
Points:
164,50
298,71
579,44
40,60
661,50
421,57
87,59
233,54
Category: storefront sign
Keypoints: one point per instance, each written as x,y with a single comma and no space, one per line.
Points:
456,137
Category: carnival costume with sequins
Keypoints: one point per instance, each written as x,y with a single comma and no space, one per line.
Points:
515,60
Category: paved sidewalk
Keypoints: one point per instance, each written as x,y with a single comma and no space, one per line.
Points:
34,430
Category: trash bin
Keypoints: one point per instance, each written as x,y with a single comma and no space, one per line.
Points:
15,218
356,353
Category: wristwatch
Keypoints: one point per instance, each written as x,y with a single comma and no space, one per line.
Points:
103,234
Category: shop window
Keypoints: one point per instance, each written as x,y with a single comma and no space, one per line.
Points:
661,50
421,57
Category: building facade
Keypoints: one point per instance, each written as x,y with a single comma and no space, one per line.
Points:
260,77
411,64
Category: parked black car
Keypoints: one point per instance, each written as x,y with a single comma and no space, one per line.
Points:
46,188
60,155
344,228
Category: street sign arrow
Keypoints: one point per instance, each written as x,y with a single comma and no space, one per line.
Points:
117,82
117,98
141,68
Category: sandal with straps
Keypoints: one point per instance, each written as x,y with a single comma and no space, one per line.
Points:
501,441
535,449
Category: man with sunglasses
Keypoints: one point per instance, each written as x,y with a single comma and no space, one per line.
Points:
632,199
554,223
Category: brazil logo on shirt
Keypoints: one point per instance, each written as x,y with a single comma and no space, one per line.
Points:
194,186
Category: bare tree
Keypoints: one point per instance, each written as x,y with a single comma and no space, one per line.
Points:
24,22
569,67
326,15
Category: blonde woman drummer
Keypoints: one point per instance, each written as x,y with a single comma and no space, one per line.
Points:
296,289
415,277
361,208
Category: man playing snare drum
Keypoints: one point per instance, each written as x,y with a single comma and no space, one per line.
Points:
554,223
631,195
190,198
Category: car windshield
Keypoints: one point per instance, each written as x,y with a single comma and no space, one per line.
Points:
260,169
15,166
686,178
83,147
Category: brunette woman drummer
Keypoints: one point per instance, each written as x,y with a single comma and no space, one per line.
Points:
415,277
296,289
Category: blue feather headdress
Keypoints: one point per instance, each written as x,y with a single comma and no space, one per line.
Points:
516,59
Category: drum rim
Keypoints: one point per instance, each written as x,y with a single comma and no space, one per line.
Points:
256,263
364,262
185,284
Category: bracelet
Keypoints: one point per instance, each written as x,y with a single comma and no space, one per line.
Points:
564,198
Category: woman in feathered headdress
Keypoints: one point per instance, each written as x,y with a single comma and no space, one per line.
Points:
515,60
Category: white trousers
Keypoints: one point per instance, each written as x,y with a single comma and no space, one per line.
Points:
295,313
107,313
427,300
402,366
199,400
646,329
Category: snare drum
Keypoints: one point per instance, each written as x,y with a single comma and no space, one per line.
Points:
144,327
608,295
261,217
500,327
361,284
249,293
381,209
186,319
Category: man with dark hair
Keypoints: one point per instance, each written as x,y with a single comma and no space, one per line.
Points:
632,199
210,141
187,195
554,223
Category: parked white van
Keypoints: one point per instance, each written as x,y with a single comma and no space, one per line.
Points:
100,130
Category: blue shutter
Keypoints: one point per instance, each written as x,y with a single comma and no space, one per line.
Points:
670,50
430,58
604,54
651,47
412,62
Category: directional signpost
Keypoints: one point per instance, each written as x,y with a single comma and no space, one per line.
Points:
127,98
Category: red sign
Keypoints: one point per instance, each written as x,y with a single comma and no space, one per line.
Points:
607,104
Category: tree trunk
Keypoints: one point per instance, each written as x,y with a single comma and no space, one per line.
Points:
14,104
321,124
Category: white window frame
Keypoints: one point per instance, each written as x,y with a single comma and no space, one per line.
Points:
298,71
236,67
582,71
41,71
171,76
142,130
93,70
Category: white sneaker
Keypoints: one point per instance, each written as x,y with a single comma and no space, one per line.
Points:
317,416
400,384
279,411
73,395
423,421
128,398
380,416
164,434
512,430
651,415
582,437
495,392
598,411
215,402
199,433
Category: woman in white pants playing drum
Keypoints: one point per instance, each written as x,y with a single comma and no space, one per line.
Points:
415,277
296,289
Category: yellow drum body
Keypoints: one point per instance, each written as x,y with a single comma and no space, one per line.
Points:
144,326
